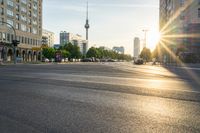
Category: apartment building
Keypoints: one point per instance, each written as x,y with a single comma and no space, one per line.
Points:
136,47
25,16
48,38
180,24
75,39
119,50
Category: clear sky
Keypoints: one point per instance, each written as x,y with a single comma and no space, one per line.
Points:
112,22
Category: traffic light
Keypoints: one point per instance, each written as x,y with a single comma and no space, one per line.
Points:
15,42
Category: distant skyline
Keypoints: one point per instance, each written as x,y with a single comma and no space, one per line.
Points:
112,22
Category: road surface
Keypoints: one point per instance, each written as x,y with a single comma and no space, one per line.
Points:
98,97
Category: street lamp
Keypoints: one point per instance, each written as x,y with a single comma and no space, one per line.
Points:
15,42
145,37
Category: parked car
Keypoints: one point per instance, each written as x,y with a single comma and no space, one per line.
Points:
87,60
139,61
45,60
110,60
19,59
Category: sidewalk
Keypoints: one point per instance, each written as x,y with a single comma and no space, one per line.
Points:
195,66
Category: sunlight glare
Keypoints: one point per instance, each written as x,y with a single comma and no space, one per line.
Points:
154,38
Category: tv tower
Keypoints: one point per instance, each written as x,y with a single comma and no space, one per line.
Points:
87,26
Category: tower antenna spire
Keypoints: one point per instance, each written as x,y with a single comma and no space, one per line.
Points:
87,26
87,10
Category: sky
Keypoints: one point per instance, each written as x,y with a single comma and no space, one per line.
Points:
112,22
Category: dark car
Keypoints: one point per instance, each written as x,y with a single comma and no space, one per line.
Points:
87,60
139,61
110,60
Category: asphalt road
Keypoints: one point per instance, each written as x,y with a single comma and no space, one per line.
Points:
99,98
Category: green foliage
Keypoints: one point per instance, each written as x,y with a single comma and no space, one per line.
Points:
93,52
49,52
65,53
108,54
146,54
71,51
75,53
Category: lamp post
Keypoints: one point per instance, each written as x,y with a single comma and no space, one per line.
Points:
15,42
145,37
145,42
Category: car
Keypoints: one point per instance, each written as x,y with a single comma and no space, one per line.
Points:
111,60
45,60
138,61
19,59
87,60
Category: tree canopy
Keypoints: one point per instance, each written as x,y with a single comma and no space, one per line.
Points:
146,54
108,54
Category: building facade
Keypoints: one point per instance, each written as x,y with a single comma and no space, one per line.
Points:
75,39
119,50
180,25
48,38
136,48
26,18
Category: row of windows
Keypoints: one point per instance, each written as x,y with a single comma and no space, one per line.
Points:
21,27
9,37
10,3
11,13
182,17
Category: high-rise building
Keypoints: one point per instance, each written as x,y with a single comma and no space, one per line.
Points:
25,16
180,25
87,26
75,39
64,37
48,38
119,50
136,48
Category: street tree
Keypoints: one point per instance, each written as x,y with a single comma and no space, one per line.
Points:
93,52
146,54
48,52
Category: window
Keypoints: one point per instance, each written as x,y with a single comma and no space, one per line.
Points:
34,31
34,22
23,9
1,11
29,13
22,39
8,38
29,5
9,12
10,22
182,16
1,19
35,6
23,27
17,16
182,2
29,29
17,26
17,8
23,18
10,3
199,12
4,36
0,36
29,21
24,1
35,14
1,1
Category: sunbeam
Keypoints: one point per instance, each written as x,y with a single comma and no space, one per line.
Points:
177,14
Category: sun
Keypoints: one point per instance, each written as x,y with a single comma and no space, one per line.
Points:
153,39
